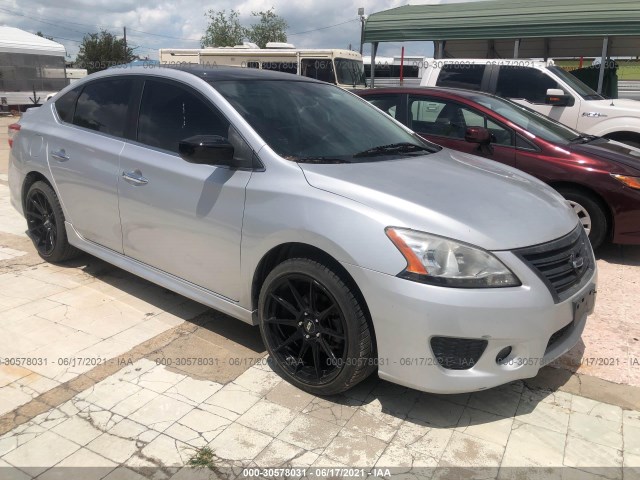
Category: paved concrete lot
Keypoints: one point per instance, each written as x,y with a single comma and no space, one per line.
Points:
129,380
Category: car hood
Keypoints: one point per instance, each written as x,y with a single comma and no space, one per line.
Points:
621,105
610,150
454,195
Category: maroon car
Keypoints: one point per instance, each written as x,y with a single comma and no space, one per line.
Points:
600,178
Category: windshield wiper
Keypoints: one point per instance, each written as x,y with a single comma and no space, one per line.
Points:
320,160
393,148
583,139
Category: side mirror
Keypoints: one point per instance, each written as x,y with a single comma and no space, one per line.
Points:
557,98
478,135
207,150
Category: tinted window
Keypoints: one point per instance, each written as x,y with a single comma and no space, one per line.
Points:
522,82
66,105
461,76
170,113
103,104
313,121
388,104
450,119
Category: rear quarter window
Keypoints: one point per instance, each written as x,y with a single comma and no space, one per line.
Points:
66,105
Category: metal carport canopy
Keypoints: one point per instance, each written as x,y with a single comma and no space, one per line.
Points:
544,28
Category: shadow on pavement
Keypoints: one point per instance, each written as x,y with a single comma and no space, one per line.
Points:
619,254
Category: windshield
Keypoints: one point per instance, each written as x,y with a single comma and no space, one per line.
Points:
317,122
350,72
529,119
581,88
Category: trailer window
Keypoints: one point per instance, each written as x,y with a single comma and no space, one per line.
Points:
318,68
286,67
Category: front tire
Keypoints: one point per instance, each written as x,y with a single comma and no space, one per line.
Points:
590,212
45,223
315,328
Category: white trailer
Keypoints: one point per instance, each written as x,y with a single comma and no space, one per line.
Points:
29,62
341,67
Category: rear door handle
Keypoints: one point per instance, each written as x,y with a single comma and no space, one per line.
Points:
60,155
135,178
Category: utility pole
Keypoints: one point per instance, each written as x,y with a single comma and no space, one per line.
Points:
126,58
362,20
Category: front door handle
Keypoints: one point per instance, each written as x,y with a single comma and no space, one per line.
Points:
135,178
60,155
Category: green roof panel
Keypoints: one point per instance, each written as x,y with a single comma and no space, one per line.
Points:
497,19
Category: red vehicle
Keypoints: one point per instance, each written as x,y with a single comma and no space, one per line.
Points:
600,178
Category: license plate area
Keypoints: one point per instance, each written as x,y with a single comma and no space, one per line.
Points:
584,305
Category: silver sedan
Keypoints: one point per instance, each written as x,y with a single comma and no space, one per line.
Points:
296,206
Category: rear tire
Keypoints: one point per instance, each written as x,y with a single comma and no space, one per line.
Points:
590,212
314,327
45,222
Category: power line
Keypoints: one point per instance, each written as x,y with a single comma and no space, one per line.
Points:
323,28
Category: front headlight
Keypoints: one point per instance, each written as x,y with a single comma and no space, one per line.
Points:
441,261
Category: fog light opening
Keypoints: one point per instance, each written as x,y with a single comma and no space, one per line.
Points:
503,355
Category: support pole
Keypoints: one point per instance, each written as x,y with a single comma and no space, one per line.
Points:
603,60
126,58
516,49
402,67
374,50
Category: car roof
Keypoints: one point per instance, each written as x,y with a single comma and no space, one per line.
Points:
214,74
425,90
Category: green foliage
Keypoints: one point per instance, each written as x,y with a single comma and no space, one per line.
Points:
100,51
270,28
40,34
223,30
203,458
227,31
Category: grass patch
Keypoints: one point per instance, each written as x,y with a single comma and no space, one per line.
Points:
203,458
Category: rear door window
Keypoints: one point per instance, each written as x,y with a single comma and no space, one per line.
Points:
464,76
170,113
103,105
524,83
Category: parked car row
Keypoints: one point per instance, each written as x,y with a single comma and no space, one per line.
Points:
599,177
292,204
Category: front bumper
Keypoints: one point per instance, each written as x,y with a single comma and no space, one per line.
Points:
406,315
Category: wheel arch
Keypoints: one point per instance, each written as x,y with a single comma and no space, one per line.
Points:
286,251
31,178
589,191
624,135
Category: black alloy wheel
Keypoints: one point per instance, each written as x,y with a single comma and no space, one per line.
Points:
45,223
314,327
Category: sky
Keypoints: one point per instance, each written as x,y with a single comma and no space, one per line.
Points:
154,24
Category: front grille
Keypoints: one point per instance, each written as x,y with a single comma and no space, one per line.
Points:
564,265
457,353
557,336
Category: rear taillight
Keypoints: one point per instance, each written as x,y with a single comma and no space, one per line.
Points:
13,129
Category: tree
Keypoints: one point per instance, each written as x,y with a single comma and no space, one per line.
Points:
270,28
40,34
100,51
223,30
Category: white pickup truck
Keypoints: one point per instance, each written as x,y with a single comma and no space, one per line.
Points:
543,87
